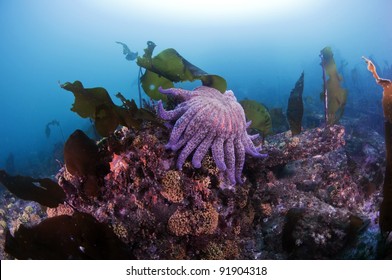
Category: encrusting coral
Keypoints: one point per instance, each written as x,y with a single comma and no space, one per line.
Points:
194,222
172,186
207,118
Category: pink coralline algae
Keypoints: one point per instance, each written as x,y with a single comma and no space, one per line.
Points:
208,119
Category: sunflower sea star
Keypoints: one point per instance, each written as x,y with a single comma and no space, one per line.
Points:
207,118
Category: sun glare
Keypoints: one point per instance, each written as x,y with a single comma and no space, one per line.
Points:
207,11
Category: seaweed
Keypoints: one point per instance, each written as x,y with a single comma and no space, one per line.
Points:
44,191
295,108
167,68
334,95
133,115
79,236
386,205
129,55
170,67
259,115
95,103
149,50
279,120
53,123
82,159
151,82
387,87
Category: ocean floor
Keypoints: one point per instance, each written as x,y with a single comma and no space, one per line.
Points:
316,196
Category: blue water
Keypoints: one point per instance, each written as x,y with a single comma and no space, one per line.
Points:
259,47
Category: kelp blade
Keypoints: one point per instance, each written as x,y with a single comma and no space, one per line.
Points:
44,191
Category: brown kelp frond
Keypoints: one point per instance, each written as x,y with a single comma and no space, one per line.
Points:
79,236
47,127
151,82
95,103
44,191
295,108
334,95
259,115
82,159
131,115
129,55
53,123
387,93
386,205
168,67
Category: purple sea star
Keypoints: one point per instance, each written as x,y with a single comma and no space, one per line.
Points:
207,118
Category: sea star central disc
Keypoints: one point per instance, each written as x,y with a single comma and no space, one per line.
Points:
209,119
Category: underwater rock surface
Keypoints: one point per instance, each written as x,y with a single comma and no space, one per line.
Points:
313,198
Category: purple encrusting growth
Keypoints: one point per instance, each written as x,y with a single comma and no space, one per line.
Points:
209,119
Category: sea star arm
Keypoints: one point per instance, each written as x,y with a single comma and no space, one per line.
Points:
190,147
240,159
202,150
218,153
181,125
186,94
254,136
170,115
230,160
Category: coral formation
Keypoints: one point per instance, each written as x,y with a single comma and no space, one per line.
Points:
206,118
172,186
194,222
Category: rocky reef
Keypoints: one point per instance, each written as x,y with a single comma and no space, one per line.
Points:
315,197
130,195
